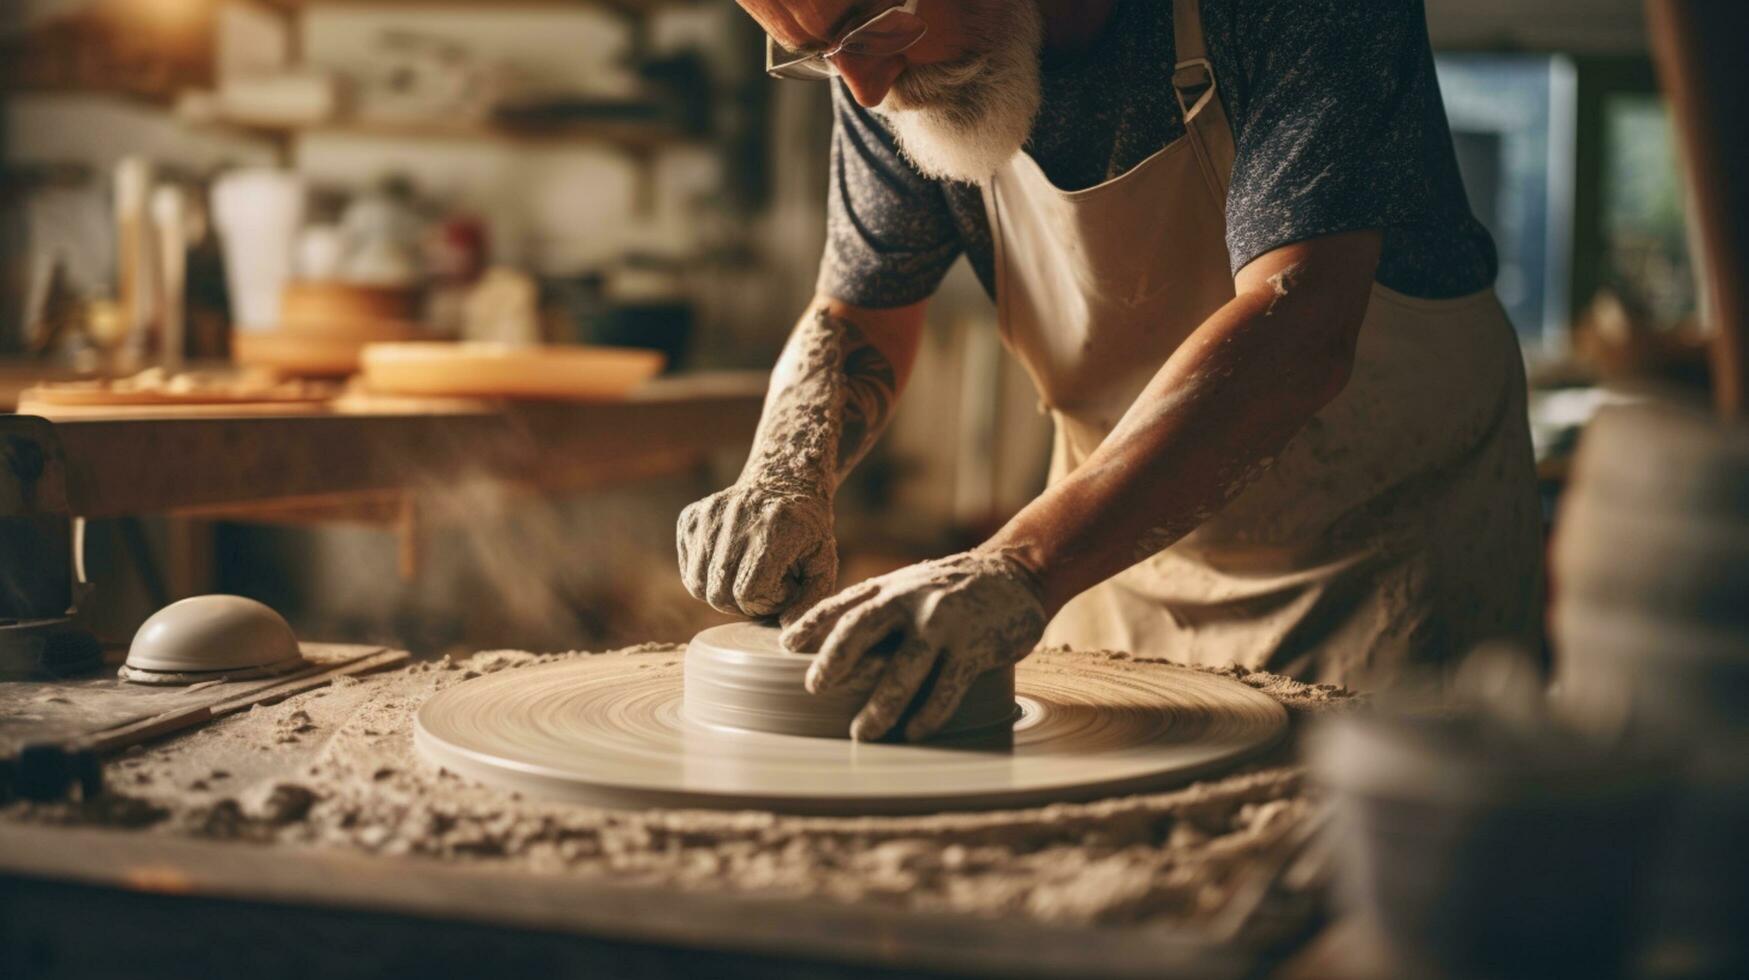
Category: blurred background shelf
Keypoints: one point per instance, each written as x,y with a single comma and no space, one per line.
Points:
638,137
633,7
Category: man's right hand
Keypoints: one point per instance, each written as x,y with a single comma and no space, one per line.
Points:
757,551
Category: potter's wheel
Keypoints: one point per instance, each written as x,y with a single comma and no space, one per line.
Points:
613,731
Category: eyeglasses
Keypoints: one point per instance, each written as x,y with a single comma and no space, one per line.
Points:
890,32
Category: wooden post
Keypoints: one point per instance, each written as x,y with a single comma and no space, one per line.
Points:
1699,48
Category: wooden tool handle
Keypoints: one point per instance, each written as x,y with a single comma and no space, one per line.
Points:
1698,45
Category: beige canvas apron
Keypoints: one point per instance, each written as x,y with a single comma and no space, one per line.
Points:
1400,525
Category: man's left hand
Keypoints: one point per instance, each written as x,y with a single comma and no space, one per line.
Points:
955,618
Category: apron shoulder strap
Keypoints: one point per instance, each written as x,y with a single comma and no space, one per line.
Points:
1193,82
1193,77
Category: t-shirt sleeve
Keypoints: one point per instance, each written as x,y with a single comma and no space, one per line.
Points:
890,237
1329,121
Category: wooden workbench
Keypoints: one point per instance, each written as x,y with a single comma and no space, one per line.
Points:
90,903
104,901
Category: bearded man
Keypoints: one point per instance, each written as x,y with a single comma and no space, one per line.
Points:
1229,241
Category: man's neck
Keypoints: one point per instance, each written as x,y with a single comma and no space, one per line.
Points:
1072,26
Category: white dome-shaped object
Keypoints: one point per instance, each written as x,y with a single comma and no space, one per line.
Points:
211,637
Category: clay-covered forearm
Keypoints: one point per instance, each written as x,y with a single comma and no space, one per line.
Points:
832,394
765,546
1215,416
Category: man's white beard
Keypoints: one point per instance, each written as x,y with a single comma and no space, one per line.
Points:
964,121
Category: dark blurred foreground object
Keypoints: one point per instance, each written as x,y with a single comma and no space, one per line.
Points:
1479,845
1651,627
1652,616
1651,563
1698,45
39,580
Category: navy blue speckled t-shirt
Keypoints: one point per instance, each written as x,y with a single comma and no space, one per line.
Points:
1337,122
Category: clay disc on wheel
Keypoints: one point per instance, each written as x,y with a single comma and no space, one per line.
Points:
609,730
738,676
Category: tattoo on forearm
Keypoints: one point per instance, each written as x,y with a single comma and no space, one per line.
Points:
832,393
870,388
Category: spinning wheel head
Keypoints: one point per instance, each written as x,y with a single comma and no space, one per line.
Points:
612,730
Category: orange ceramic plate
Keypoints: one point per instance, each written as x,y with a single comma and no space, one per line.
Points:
480,370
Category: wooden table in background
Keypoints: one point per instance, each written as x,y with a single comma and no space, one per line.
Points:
376,461
128,466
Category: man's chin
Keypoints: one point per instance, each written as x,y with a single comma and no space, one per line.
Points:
965,121
944,150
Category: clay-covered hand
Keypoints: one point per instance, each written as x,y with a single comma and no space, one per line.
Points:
764,546
756,550
955,618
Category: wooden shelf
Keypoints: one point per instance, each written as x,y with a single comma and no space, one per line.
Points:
633,136
149,98
628,7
